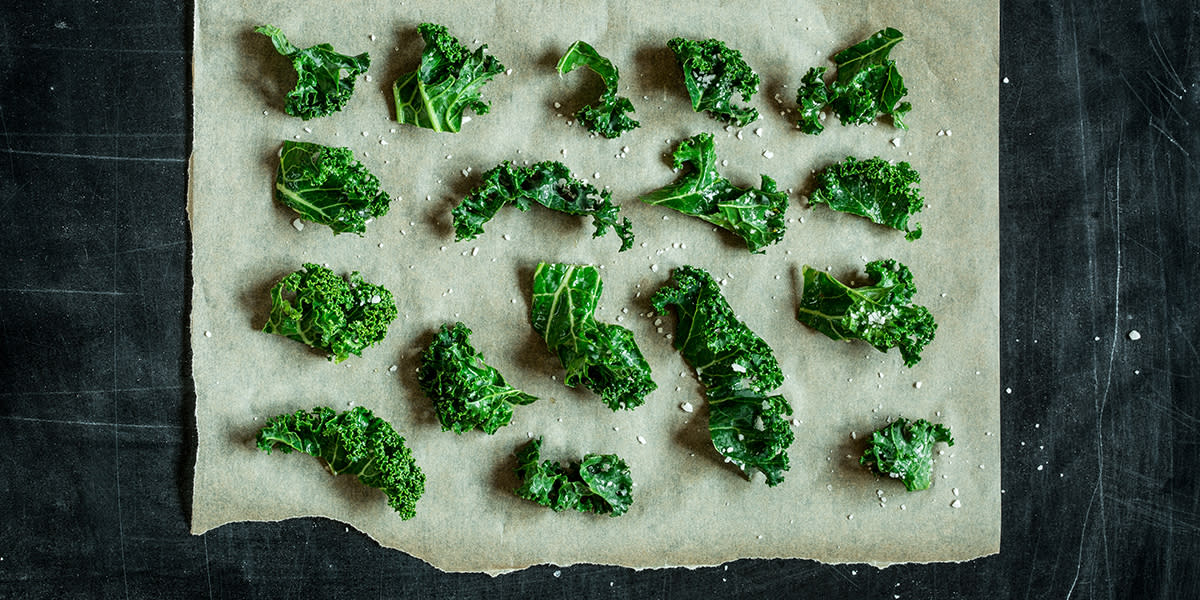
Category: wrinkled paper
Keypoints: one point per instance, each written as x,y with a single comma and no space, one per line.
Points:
690,508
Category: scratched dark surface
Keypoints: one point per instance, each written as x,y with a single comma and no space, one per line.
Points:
1100,188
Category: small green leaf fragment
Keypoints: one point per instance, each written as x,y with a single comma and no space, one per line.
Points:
355,442
339,316
609,117
324,78
327,185
600,483
448,81
714,74
601,356
755,215
547,183
883,192
881,314
867,85
466,392
904,450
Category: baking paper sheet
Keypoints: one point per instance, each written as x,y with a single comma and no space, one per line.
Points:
690,507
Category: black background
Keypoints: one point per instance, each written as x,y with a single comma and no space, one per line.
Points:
1099,193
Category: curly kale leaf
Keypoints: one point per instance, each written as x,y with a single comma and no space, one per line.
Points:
881,314
602,356
547,183
327,185
904,450
324,78
320,309
466,392
355,442
600,483
812,97
867,85
737,368
874,188
447,82
609,118
713,74
757,216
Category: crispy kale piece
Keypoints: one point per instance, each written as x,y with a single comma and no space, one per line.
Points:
713,74
881,314
448,81
326,185
327,312
602,356
466,392
737,369
757,216
609,118
867,85
324,78
548,183
872,188
355,442
904,450
600,483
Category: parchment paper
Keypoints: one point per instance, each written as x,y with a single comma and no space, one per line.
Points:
690,508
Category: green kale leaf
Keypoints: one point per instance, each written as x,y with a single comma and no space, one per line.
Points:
737,368
602,356
355,442
609,119
324,78
874,188
904,450
867,85
713,74
447,82
881,314
327,312
326,185
466,392
547,183
600,483
757,216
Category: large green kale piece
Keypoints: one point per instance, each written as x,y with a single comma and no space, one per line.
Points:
738,370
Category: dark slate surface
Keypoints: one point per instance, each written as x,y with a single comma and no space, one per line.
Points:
1100,184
